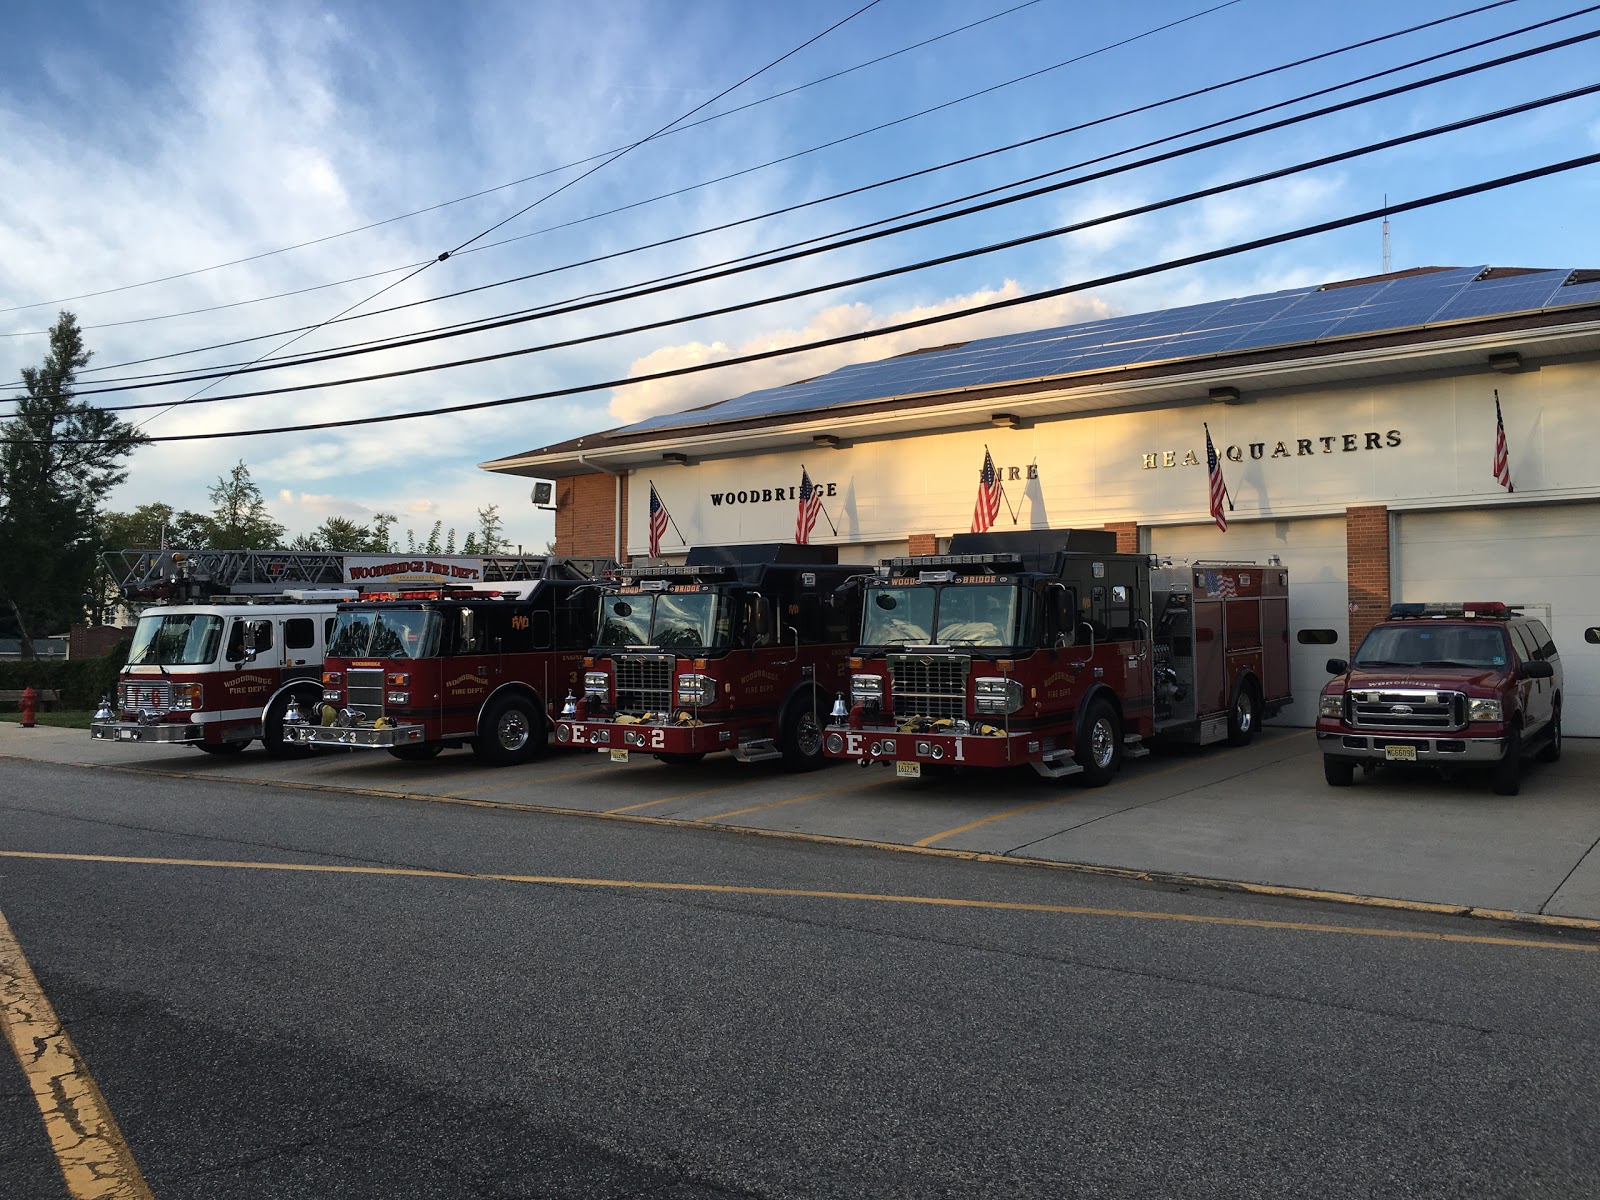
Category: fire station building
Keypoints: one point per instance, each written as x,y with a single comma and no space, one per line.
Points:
1355,423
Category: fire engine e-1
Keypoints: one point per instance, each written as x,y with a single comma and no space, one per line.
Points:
739,649
1052,649
217,663
484,666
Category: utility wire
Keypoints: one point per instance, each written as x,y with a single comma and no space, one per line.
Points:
1171,264
569,308
500,187
475,325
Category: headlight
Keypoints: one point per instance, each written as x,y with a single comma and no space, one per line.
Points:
995,695
834,743
398,697
866,687
333,695
1485,710
695,691
186,695
597,684
1331,706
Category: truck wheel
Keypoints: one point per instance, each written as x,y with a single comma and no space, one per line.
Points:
221,747
801,739
1552,747
272,731
420,752
1339,772
1245,714
1507,779
512,732
1099,750
681,760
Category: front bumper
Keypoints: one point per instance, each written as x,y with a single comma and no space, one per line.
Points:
647,737
163,733
889,745
1395,746
359,737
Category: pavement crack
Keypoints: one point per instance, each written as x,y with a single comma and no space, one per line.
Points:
1582,858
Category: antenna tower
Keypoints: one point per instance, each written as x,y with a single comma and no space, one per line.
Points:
1387,259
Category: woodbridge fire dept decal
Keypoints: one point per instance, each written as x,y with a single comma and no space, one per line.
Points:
248,683
359,569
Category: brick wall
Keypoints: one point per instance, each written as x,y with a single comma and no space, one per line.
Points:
1127,535
1366,533
91,641
922,543
586,515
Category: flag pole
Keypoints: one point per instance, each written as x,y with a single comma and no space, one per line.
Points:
1227,492
820,508
671,520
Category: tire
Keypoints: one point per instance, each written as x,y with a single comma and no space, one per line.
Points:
1245,714
800,739
420,752
1507,778
1339,772
1099,749
681,760
1551,751
221,747
512,732
272,731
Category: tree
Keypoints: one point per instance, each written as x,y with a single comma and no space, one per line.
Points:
155,526
489,538
240,520
59,459
341,535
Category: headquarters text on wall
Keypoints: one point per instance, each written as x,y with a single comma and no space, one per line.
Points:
1338,443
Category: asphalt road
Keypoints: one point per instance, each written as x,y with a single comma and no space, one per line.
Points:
497,1008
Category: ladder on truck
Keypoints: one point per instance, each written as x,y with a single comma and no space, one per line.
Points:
175,575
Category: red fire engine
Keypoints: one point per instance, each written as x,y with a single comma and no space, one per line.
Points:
237,636
1051,649
416,671
739,649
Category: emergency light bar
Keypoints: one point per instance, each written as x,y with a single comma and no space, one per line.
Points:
956,560
682,571
1490,610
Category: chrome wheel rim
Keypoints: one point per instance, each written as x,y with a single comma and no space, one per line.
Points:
1102,742
808,736
513,730
1244,713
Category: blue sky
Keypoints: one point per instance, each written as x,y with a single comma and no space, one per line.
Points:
144,141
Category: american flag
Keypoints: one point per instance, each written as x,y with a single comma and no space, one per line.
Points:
1502,457
805,519
1218,584
658,522
989,488
1219,489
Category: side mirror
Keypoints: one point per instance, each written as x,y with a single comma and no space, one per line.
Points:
469,637
1536,668
1337,666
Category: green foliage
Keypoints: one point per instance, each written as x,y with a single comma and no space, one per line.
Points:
239,520
59,458
341,535
80,681
489,538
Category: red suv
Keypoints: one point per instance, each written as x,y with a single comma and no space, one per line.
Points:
1444,685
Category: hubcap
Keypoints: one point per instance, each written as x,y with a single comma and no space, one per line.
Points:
513,730
1101,743
1245,714
808,736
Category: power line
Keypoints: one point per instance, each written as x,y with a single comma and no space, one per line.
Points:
476,326
714,274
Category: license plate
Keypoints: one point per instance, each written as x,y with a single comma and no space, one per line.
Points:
1400,753
127,735
619,756
908,770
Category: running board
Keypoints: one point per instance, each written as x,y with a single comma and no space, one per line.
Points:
762,751
1133,746
1057,765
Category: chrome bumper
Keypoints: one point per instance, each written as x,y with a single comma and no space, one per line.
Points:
1374,747
357,736
165,733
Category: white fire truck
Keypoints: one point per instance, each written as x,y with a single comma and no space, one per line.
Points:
1051,649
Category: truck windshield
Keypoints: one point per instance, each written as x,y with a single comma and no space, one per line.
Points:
1433,646
660,619
952,615
176,639
386,633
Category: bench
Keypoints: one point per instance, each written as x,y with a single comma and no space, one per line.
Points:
12,697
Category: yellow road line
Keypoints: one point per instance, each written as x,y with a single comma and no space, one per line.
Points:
94,1157
739,812
728,889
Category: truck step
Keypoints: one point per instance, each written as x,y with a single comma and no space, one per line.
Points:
762,751
1057,765
1133,746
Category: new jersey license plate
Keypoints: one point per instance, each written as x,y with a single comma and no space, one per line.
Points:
1400,753
908,770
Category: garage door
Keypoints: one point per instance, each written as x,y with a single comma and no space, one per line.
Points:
1313,551
1544,557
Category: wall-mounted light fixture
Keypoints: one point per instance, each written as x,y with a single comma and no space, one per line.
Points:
1505,360
672,456
826,439
1005,420
1226,395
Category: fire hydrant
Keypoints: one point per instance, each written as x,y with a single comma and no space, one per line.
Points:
30,705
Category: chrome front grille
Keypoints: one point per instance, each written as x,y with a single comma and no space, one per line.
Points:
644,682
1407,709
139,694
929,685
363,691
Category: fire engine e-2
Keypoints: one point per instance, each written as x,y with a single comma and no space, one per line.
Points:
485,666
740,649
1052,649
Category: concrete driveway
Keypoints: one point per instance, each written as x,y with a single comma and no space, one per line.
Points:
1260,816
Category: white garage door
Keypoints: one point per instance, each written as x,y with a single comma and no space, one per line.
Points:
1543,557
1313,551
